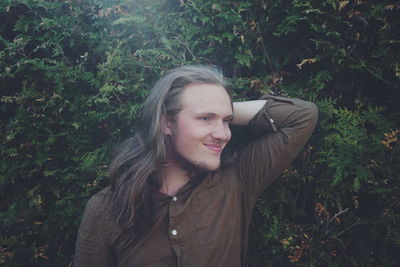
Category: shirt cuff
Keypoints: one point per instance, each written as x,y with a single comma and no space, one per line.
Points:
263,121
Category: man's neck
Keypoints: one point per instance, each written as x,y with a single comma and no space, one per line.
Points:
173,179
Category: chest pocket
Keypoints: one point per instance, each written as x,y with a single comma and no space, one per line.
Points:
212,214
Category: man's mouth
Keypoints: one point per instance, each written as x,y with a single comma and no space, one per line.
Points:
215,147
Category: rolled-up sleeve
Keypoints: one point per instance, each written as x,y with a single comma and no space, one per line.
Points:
278,133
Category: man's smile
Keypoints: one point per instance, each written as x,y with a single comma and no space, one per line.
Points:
215,147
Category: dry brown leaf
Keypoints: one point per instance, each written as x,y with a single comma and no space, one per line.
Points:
306,61
322,211
255,84
242,38
264,5
285,242
354,13
343,4
356,203
389,7
253,25
390,138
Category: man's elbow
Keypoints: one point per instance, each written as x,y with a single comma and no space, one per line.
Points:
313,110
310,112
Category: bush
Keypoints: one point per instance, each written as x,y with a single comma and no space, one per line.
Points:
74,75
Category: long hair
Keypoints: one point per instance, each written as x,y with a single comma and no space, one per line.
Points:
133,172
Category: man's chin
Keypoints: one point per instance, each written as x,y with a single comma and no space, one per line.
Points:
194,167
198,167
207,167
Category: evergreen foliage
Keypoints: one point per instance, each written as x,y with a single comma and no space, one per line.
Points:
74,75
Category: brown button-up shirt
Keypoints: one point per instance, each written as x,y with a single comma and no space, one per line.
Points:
206,224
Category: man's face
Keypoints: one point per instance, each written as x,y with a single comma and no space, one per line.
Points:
200,131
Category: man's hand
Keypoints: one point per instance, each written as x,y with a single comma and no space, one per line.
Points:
243,112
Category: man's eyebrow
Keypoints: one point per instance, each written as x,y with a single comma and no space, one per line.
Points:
230,116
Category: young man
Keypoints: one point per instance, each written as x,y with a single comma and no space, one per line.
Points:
177,198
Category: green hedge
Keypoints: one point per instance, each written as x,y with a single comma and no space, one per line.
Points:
74,74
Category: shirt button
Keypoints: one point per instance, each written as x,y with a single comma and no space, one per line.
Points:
174,232
174,198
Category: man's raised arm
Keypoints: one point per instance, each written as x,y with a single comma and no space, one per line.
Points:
279,128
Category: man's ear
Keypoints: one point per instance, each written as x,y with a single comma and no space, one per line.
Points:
166,125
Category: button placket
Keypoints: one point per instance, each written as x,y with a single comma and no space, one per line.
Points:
174,208
174,232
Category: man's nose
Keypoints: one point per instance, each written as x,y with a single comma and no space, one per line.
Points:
221,131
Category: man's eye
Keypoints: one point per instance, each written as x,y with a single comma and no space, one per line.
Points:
205,118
